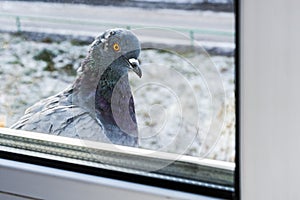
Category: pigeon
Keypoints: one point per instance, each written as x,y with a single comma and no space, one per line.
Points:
99,105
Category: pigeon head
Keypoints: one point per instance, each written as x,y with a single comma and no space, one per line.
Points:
117,47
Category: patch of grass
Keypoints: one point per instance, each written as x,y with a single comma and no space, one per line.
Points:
50,67
45,55
15,62
29,72
82,56
77,42
69,69
61,51
47,40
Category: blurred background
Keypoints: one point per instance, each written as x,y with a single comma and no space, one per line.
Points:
185,101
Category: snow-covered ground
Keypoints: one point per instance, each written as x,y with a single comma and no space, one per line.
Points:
184,103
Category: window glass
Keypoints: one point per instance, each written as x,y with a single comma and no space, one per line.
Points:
172,118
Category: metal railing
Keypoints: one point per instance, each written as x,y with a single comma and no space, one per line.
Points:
22,22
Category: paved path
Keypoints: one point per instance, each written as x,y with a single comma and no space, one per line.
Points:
163,26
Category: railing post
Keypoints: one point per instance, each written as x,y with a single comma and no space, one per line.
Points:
18,23
192,37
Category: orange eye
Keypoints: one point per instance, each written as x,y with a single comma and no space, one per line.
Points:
116,47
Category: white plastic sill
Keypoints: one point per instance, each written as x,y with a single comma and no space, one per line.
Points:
38,182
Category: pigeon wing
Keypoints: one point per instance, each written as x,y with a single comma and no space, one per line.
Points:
56,116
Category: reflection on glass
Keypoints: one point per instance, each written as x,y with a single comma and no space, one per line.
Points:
162,81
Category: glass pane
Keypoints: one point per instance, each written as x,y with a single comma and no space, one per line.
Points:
159,81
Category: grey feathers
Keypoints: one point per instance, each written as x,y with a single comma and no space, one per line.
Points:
56,115
87,109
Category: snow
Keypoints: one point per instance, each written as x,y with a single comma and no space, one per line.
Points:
184,103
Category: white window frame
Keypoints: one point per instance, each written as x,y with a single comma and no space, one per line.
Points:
270,99
20,180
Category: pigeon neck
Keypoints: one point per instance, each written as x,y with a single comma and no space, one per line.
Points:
84,87
112,90
115,106
107,97
94,83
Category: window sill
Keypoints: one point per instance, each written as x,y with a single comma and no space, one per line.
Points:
86,155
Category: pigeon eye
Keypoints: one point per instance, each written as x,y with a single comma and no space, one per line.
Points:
116,47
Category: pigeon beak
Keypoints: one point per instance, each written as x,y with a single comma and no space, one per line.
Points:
135,66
